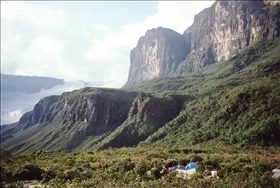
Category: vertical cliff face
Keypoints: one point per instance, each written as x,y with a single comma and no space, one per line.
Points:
95,110
218,33
40,113
157,53
145,117
90,117
271,2
223,30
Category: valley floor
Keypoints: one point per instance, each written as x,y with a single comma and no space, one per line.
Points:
127,167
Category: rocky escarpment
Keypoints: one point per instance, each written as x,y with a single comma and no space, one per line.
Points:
145,117
92,118
203,106
84,118
228,27
218,33
96,109
93,108
40,114
158,53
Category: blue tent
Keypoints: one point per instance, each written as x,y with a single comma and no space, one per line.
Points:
191,166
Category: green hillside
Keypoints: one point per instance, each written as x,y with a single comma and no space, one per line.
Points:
232,102
247,114
235,102
254,62
127,167
226,117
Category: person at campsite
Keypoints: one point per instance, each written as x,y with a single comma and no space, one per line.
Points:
164,171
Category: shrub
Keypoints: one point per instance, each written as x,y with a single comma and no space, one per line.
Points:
141,168
155,173
5,154
242,160
123,166
196,158
29,172
47,176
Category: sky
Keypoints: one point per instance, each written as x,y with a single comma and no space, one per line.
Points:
15,104
83,40
79,40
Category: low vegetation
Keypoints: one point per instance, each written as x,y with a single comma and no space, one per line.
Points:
228,120
127,167
245,115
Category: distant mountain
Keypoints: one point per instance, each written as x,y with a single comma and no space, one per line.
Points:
158,53
231,102
27,84
218,33
20,93
225,92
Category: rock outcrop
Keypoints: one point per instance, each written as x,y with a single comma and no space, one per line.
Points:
99,118
41,112
218,33
228,27
145,117
70,120
97,109
158,53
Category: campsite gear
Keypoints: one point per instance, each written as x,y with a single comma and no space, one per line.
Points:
276,173
185,174
214,174
176,167
164,171
191,166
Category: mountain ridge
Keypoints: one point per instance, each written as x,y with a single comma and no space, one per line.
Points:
19,83
159,52
20,93
156,116
230,102
228,27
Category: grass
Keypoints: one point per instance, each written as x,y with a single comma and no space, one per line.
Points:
224,117
248,114
234,102
126,167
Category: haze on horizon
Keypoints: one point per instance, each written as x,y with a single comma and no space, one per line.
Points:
89,41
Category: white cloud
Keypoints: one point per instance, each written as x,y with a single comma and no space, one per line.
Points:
11,117
48,45
176,15
39,40
15,104
40,15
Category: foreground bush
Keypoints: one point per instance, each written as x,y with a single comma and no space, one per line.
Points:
127,167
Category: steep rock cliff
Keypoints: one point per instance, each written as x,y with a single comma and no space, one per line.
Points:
145,117
40,113
88,112
220,32
158,53
96,109
84,118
